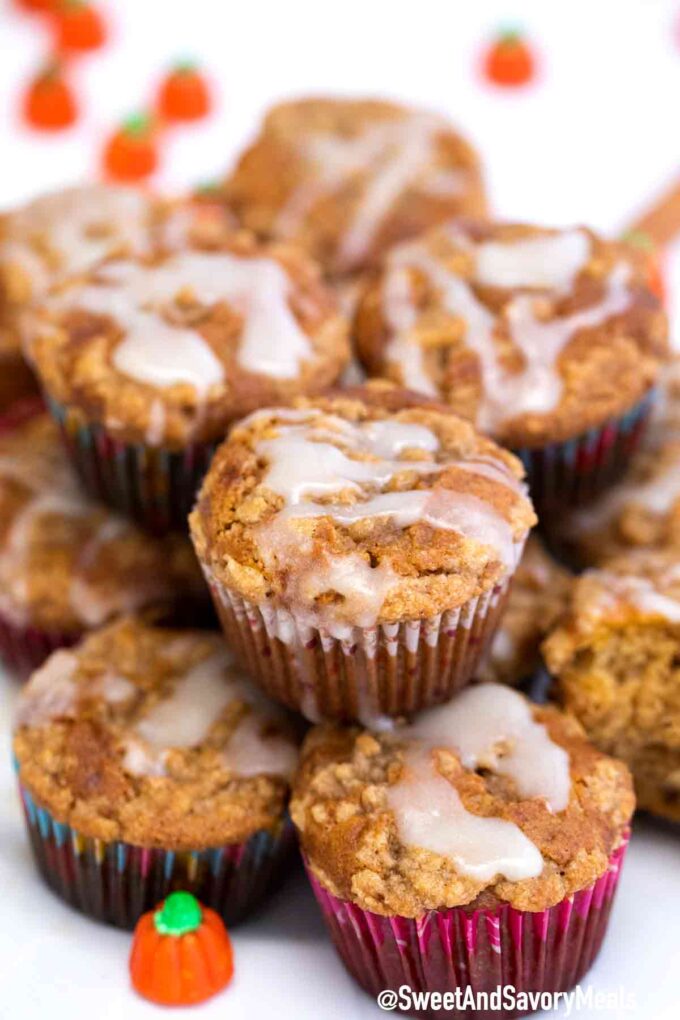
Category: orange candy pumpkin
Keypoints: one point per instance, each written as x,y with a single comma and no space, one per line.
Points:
131,153
184,94
509,62
78,27
181,953
49,103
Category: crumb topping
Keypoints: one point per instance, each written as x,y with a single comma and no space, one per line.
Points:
350,510
535,334
486,800
152,736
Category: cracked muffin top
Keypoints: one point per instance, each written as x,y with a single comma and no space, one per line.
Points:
347,178
150,736
486,800
173,347
536,335
360,507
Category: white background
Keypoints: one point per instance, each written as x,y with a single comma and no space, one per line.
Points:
593,143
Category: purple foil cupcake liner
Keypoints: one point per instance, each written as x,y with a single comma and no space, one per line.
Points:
116,882
154,486
569,474
391,669
24,648
483,950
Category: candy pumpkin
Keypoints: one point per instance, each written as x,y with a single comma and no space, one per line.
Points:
184,94
49,103
131,153
181,953
509,61
78,27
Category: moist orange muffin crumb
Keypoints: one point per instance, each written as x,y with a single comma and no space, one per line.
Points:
536,335
67,563
540,588
375,810
149,736
167,349
360,507
615,655
347,178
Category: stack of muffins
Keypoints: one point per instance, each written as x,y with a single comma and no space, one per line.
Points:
359,543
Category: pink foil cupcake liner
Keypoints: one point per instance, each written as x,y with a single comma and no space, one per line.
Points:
152,485
116,882
546,951
569,474
391,669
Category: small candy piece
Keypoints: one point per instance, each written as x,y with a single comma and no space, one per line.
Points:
184,94
131,153
655,279
49,104
508,61
181,953
78,27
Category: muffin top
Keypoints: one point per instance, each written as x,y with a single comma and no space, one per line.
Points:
540,588
66,562
638,587
150,736
170,349
536,335
642,511
346,178
361,507
488,799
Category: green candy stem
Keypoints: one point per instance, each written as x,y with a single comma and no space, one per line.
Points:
184,66
180,914
510,35
138,125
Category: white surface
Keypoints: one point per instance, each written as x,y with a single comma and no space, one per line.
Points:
591,144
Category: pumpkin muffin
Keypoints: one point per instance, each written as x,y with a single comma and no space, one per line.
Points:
484,838
146,361
347,178
615,655
359,547
538,596
549,340
52,237
147,763
642,511
67,564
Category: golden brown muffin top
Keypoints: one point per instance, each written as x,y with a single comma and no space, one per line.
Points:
642,511
365,506
484,800
347,178
539,592
66,562
537,335
172,348
150,736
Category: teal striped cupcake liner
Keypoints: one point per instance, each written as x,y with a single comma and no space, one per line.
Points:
154,486
569,474
116,882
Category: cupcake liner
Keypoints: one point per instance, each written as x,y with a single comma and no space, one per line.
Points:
391,669
569,474
155,486
24,648
117,882
483,950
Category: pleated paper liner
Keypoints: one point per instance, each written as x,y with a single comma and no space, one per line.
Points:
154,486
572,473
544,951
24,648
116,882
391,669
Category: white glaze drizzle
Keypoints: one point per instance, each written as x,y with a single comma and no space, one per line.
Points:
393,155
537,387
315,457
487,726
186,716
158,352
548,261
641,593
53,691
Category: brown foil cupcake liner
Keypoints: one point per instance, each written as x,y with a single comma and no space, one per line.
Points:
473,951
116,882
24,648
569,474
152,485
388,670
